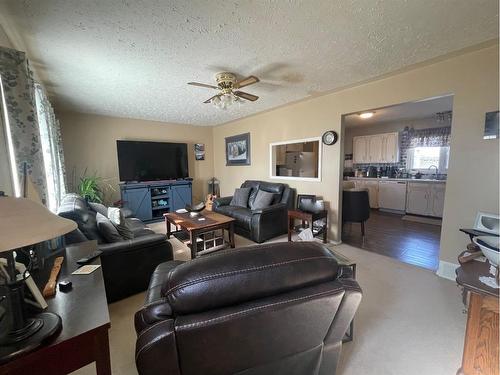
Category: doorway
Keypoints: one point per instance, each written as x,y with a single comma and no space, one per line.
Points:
394,179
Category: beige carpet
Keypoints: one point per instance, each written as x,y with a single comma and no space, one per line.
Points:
410,322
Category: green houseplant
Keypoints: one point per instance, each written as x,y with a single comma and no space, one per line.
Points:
89,189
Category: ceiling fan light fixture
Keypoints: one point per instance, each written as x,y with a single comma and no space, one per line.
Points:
366,115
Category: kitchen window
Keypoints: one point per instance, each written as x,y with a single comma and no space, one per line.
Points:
422,158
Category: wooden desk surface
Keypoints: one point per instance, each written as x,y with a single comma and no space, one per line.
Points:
84,307
85,320
468,276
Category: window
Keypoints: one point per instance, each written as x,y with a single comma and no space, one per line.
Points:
296,160
422,158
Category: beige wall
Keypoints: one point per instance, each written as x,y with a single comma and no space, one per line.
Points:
5,177
473,173
90,142
387,127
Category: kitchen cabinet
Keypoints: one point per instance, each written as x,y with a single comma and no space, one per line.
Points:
360,150
375,148
417,198
372,187
280,155
378,148
425,198
437,197
390,148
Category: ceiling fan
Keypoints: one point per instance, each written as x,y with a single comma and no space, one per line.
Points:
228,88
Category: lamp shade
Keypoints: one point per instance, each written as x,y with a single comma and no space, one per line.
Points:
24,222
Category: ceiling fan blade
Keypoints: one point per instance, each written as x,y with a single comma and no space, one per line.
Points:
210,100
250,80
203,85
246,95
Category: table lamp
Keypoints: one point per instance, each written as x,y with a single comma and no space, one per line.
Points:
24,223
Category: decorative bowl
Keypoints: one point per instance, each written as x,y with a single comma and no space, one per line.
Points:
489,245
195,210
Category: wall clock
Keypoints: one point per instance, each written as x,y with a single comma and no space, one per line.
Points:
330,137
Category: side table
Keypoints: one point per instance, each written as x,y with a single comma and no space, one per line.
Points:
481,348
306,217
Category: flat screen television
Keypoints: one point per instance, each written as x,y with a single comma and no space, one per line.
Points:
151,161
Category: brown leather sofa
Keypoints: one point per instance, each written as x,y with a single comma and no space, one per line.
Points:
270,309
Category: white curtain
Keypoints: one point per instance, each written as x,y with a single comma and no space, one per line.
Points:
52,149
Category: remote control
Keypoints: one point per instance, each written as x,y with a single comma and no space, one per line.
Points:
89,258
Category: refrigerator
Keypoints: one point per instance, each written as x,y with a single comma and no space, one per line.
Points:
301,164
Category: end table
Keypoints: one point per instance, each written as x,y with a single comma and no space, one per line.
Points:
308,217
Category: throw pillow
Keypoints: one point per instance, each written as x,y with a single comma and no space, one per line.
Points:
107,229
118,220
262,200
240,197
98,207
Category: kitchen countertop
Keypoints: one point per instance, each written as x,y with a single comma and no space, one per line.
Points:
397,179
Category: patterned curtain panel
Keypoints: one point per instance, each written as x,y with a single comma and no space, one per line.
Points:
18,87
51,141
433,137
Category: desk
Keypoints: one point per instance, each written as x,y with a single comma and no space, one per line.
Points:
480,355
85,324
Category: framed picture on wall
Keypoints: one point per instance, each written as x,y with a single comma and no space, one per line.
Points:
491,125
238,149
199,151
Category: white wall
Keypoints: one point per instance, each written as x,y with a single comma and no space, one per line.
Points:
473,173
5,177
90,143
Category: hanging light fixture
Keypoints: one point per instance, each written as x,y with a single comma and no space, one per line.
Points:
225,101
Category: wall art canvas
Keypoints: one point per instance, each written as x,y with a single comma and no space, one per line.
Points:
238,149
199,151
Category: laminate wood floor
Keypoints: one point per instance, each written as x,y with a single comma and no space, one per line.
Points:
387,234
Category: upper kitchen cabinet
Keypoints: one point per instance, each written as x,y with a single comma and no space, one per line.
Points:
375,146
360,147
378,148
390,148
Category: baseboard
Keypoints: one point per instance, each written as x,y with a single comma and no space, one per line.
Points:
334,242
447,270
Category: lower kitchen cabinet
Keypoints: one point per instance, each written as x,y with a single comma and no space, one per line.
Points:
425,198
372,187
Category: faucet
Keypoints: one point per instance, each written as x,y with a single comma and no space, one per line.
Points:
437,171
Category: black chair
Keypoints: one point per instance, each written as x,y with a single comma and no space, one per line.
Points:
356,207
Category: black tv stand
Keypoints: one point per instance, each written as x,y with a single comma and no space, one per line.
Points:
149,200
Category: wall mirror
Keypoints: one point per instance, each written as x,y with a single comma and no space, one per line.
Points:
298,159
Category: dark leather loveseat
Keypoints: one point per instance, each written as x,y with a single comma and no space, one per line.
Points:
126,265
264,224
278,309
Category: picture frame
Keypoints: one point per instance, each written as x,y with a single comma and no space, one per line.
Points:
491,125
199,151
238,150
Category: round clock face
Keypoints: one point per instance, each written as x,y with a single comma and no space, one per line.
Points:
330,137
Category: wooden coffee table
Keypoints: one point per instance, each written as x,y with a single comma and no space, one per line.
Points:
207,221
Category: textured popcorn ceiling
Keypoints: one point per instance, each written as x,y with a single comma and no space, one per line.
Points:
132,59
